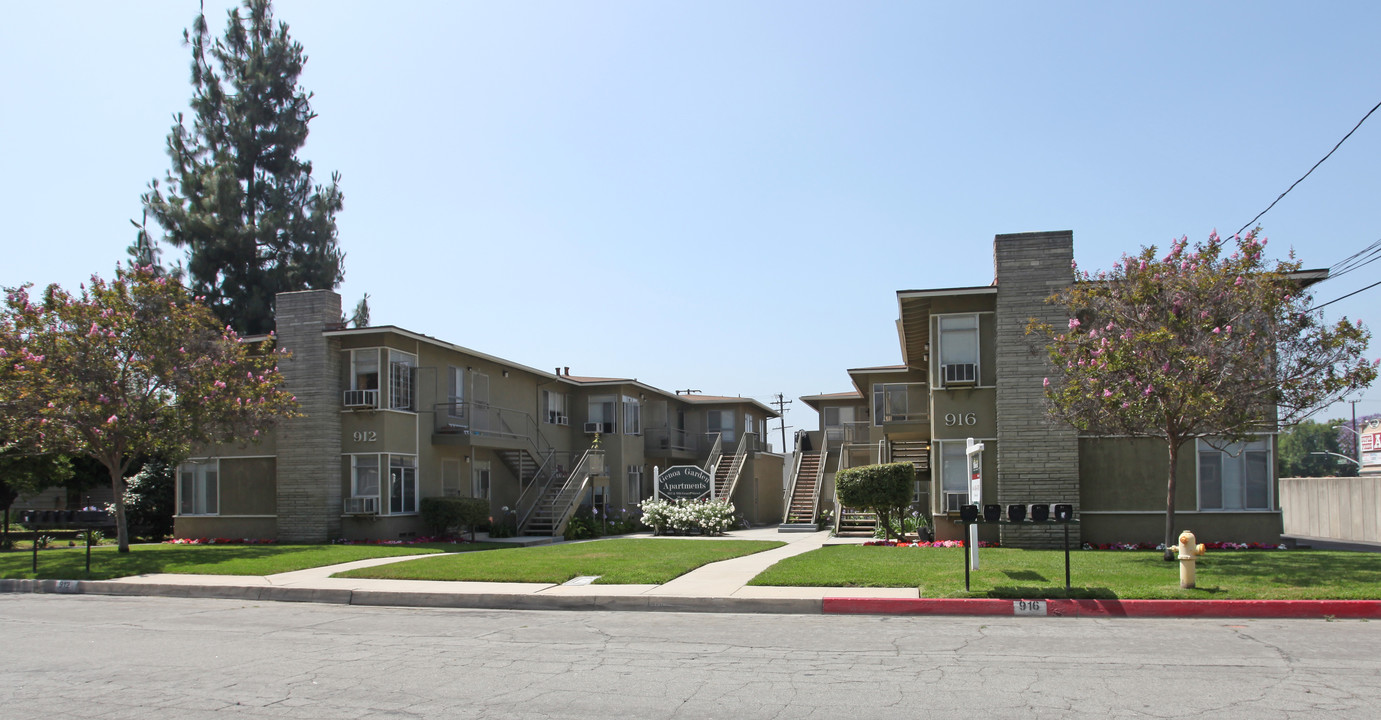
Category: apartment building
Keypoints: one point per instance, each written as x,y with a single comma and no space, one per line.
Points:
969,370
389,417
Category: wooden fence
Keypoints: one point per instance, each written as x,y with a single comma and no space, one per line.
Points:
1334,508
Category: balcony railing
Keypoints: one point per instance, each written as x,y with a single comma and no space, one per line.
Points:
849,433
901,403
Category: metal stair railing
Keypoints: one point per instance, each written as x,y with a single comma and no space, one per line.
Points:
791,489
819,480
716,451
572,489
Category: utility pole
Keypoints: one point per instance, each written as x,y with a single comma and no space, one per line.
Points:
1356,440
781,402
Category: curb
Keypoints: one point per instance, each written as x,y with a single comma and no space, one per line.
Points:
402,598
1302,609
1288,609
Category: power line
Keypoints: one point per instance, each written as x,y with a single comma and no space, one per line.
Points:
1316,165
1330,302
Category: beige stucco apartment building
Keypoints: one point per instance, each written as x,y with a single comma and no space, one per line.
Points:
969,370
389,417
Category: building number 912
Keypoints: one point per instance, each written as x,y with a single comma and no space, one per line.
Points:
366,436
957,419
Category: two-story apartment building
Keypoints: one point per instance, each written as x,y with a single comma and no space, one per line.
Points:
389,416
970,371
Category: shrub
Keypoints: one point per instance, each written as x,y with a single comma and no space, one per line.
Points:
711,517
443,515
150,499
884,489
582,525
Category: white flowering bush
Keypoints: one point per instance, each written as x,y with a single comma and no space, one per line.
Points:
710,517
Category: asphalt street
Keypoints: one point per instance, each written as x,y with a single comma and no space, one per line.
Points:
146,657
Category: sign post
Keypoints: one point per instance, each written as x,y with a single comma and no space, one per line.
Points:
975,454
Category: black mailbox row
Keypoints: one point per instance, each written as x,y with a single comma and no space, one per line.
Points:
60,518
1040,512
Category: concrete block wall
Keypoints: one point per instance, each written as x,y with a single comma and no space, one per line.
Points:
1037,459
309,447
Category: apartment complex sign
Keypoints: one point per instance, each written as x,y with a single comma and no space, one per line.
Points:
684,482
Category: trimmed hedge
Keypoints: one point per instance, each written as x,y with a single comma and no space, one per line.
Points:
442,515
880,488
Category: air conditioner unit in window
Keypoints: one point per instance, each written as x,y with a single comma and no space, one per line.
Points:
562,420
594,427
960,373
361,506
361,398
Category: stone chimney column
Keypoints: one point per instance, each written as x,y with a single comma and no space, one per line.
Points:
309,447
1037,458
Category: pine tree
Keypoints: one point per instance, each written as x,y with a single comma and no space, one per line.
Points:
237,196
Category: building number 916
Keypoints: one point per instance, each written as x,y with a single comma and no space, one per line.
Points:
957,419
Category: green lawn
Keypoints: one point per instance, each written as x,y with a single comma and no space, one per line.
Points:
106,563
1008,572
631,561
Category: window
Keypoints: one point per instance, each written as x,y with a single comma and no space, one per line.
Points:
959,349
364,476
554,408
1237,477
364,369
954,474
400,369
632,416
363,383
635,485
481,479
198,488
722,422
601,414
892,402
402,484
455,392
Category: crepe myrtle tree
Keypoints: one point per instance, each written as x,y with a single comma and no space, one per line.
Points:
127,369
1210,341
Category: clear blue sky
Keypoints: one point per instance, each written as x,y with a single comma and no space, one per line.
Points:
722,177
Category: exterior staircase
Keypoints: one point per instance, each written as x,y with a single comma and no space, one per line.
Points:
855,523
800,513
724,476
522,464
916,452
551,506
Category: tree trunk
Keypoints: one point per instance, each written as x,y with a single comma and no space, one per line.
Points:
117,485
1170,500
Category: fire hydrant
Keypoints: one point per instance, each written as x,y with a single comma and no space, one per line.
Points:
1188,551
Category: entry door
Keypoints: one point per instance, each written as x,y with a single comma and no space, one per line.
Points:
479,399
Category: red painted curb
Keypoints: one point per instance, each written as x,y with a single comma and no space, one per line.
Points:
1316,609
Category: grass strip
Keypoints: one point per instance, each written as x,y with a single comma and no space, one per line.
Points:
630,561
1015,573
107,562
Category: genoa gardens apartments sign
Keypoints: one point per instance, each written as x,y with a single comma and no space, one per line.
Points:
684,482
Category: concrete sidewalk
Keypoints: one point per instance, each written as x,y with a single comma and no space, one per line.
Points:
717,587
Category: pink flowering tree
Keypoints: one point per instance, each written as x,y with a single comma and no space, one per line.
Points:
1210,341
127,369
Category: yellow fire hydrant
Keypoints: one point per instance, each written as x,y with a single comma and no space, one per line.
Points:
1188,551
